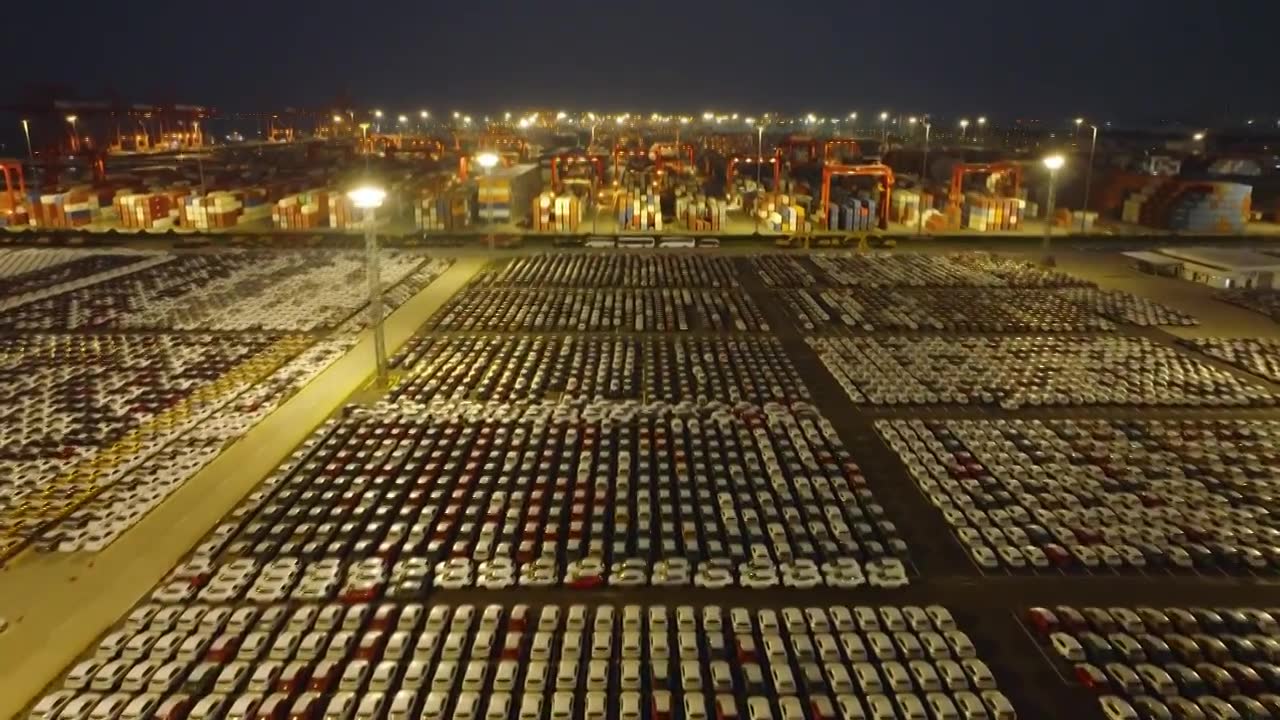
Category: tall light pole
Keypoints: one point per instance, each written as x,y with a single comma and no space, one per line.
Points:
1088,178
884,132
1054,163
26,130
924,170
964,127
75,142
487,160
369,199
1079,122
982,122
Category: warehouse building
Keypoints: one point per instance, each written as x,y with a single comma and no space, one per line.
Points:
1225,268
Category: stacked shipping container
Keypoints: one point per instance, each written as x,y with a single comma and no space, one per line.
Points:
638,210
303,211
853,214
1189,206
557,213
505,194
781,213
702,213
148,211
990,214
448,210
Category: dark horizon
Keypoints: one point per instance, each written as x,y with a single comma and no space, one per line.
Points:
1184,60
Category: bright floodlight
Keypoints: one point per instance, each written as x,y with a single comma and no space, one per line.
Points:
964,123
1079,121
1198,136
367,197
884,116
751,121
403,119
377,113
424,114
487,160
913,120
337,119
853,116
982,121
71,119
561,115
1054,162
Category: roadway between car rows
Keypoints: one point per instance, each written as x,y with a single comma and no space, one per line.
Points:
57,604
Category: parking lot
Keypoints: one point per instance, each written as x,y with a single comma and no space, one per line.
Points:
707,505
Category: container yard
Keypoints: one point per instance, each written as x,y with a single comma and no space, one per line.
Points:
717,180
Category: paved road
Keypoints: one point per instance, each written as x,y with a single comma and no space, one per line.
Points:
57,604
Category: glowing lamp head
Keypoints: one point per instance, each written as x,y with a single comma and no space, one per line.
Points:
487,160
1055,162
367,197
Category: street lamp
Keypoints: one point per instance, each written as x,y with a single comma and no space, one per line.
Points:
369,198
1088,176
964,126
1198,137
403,119
1053,163
1079,122
924,170
74,142
488,160
982,121
26,130
424,114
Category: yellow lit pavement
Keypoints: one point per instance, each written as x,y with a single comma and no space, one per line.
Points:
58,603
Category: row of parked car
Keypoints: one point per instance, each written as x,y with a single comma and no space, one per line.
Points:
624,494
1260,356
402,661
205,430
1260,300
934,309
614,270
969,269
1101,494
96,404
28,270
638,310
755,370
1123,307
1029,371
1169,663
279,291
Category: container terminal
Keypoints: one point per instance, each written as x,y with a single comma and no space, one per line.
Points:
801,178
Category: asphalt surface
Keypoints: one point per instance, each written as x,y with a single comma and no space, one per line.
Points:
987,607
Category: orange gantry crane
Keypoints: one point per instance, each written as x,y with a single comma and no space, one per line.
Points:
847,146
955,197
877,170
660,151
798,149
571,159
510,146
731,167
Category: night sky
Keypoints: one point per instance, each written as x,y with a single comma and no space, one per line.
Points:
1135,60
